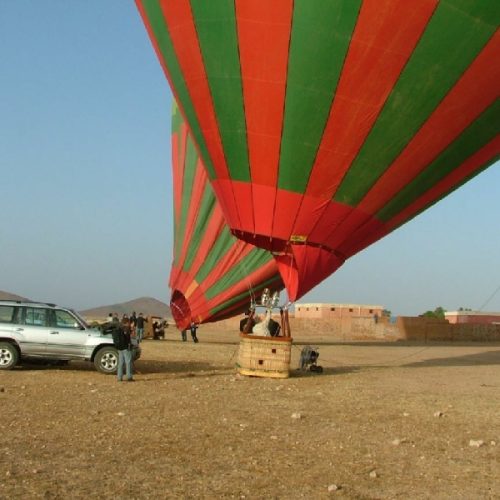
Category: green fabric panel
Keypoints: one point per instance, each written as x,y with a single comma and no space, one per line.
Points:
162,37
187,188
176,125
237,298
477,135
216,26
222,245
321,33
204,215
250,263
455,35
177,119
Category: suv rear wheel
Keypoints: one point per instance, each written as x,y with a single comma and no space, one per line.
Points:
9,356
106,360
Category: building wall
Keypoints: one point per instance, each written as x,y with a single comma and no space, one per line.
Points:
337,311
350,328
475,317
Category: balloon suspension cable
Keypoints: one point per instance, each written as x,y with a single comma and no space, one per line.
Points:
248,283
489,299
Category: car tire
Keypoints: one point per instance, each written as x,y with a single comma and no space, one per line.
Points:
106,360
9,356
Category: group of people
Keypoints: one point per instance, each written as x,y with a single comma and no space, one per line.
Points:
127,335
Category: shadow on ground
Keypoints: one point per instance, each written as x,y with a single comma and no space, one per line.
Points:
476,359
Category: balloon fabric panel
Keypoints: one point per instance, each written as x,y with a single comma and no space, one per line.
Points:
213,274
326,125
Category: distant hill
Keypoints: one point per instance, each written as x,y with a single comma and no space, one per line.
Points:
145,305
10,296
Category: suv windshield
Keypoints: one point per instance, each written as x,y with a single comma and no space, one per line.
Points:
80,319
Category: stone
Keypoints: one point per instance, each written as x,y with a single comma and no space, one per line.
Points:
438,414
373,474
296,416
333,487
476,443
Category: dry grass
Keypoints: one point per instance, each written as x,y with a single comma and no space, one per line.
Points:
190,427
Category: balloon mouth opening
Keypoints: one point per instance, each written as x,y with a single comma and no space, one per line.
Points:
179,307
280,246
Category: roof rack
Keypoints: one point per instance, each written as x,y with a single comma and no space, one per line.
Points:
50,304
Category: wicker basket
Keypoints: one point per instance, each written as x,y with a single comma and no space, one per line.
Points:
265,356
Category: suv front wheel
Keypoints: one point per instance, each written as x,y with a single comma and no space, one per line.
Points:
106,360
8,356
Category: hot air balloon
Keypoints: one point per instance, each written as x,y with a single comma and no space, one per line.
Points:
214,275
325,125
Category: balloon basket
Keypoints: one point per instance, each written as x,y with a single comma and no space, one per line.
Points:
264,356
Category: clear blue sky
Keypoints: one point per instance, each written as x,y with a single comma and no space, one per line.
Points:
85,186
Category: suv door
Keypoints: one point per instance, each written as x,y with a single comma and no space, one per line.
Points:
67,337
33,330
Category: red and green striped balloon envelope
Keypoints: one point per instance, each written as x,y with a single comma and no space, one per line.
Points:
214,275
326,124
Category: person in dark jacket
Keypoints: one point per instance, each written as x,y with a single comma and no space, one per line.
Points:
193,329
140,327
121,340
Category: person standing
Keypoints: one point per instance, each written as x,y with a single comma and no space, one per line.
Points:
133,320
193,329
122,342
140,327
184,335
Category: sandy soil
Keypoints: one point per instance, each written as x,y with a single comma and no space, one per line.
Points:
382,421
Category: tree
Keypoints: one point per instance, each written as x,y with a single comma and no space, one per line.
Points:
438,313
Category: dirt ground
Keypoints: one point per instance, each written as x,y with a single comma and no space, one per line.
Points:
387,420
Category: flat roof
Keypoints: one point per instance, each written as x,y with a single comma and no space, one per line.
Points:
471,313
324,304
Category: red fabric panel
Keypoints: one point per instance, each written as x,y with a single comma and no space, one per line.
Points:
467,168
473,93
345,230
334,215
223,189
383,40
199,306
367,234
322,214
264,36
305,267
264,198
182,31
287,207
199,183
243,194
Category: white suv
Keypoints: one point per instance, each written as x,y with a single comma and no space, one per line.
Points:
33,330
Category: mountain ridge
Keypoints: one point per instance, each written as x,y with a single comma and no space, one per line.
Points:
148,306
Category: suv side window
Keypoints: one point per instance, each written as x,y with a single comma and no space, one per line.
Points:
7,314
63,319
35,316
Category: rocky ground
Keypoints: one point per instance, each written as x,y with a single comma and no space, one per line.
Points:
383,421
